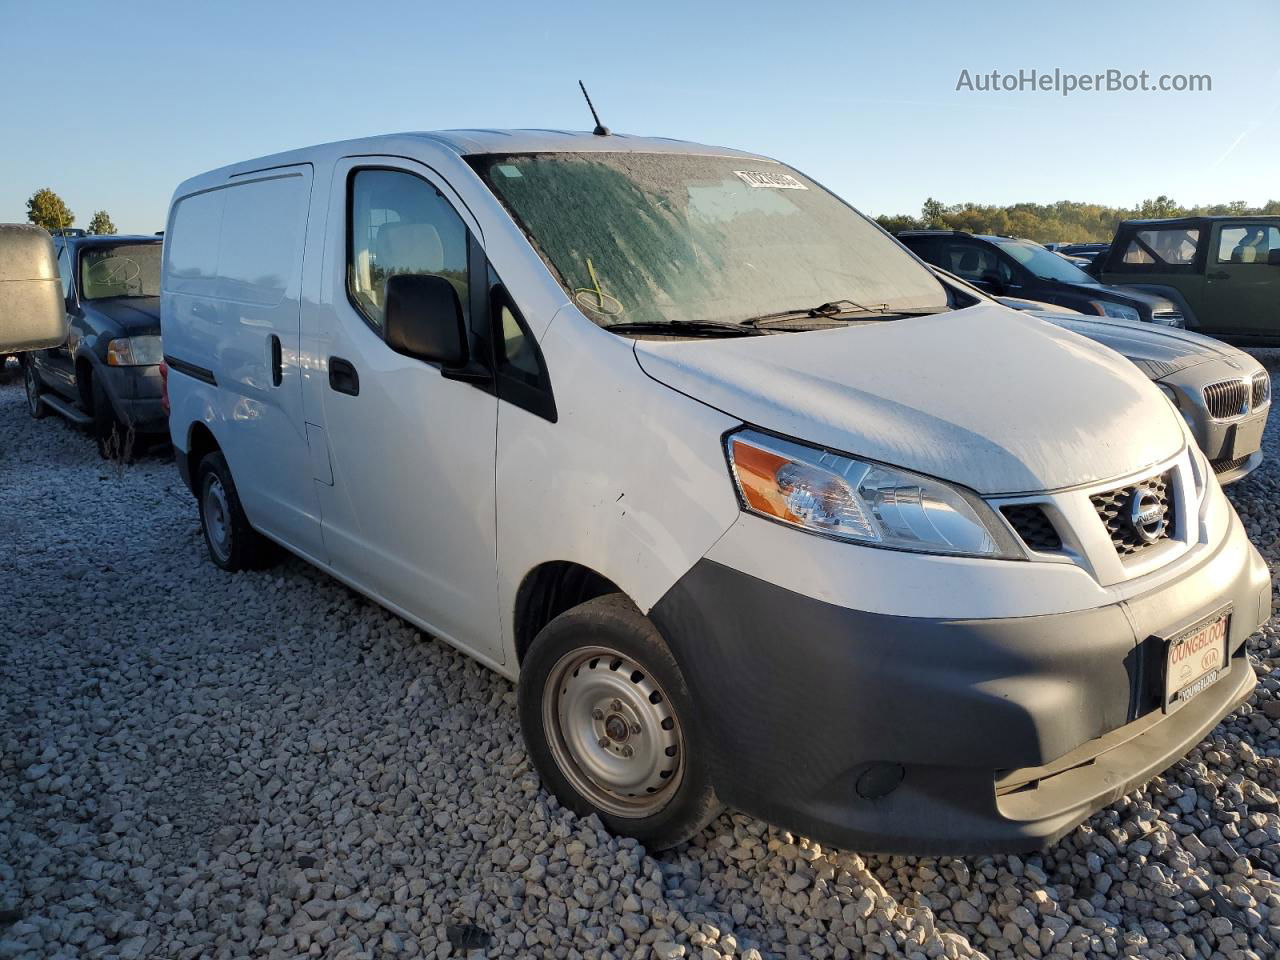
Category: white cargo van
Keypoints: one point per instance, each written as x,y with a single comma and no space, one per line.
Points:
673,437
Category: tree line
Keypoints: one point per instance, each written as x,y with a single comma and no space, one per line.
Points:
46,209
1065,221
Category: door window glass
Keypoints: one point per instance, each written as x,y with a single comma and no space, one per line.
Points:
973,262
64,269
1247,243
1170,247
400,224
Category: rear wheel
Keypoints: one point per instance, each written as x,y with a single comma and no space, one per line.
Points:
608,722
31,380
233,544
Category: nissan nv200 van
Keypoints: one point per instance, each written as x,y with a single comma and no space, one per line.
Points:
753,507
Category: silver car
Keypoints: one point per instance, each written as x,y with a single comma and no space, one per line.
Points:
1223,393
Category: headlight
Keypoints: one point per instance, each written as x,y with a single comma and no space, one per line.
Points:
1106,308
867,503
134,352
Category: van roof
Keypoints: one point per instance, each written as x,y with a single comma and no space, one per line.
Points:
481,141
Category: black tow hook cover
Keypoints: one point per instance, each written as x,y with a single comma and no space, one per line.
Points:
879,780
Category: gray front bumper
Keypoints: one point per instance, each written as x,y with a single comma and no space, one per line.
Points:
135,394
1216,438
897,734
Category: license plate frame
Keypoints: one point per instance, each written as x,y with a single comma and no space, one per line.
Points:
1246,437
1206,660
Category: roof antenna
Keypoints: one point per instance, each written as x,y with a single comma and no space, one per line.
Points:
601,130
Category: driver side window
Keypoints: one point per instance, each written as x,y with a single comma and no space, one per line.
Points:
974,262
64,269
400,224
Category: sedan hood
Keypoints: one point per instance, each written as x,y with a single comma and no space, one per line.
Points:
998,401
133,315
1158,351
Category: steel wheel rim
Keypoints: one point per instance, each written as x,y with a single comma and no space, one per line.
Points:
613,732
217,518
33,390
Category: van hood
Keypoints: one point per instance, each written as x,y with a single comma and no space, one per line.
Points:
133,315
1158,351
995,400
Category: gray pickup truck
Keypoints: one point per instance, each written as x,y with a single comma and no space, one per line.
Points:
106,374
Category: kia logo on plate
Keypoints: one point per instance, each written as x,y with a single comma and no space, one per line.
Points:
1146,515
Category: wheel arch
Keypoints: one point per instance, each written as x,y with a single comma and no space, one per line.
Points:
547,591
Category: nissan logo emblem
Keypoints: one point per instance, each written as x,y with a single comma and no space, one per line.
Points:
1146,515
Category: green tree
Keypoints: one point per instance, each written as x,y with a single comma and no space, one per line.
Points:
46,209
897,222
932,213
101,224
1160,208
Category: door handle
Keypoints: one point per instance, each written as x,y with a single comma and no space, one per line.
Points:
277,362
343,377
1218,275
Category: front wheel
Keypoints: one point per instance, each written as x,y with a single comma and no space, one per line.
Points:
31,380
608,721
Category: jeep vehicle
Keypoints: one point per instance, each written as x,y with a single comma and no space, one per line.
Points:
1223,272
105,376
1013,267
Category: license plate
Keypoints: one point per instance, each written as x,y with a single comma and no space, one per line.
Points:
1246,438
1195,660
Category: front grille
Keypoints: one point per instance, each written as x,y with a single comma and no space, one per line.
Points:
1261,389
1224,466
1227,399
1114,509
1033,527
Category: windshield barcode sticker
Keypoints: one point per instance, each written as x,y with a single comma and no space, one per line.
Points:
776,181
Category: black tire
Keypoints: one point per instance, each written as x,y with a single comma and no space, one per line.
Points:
233,544
111,436
34,389
614,623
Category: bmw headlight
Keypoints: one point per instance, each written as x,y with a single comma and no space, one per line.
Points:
134,351
862,502
1106,308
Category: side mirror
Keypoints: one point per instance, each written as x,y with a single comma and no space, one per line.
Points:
1273,257
32,313
423,319
992,282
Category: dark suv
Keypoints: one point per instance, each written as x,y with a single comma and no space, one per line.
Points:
1010,267
106,375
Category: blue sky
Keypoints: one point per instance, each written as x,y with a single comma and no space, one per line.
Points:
120,101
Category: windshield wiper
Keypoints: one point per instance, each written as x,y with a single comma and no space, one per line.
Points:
838,310
685,328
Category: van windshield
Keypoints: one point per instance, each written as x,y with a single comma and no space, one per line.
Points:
656,238
120,270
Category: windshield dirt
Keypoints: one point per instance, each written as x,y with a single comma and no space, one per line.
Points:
122,270
654,238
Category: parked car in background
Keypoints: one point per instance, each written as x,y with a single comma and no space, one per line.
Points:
105,376
1223,272
754,507
1223,393
1084,251
1008,266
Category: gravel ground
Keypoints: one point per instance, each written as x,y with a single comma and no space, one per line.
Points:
196,764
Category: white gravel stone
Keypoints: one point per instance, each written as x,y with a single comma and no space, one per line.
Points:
194,764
